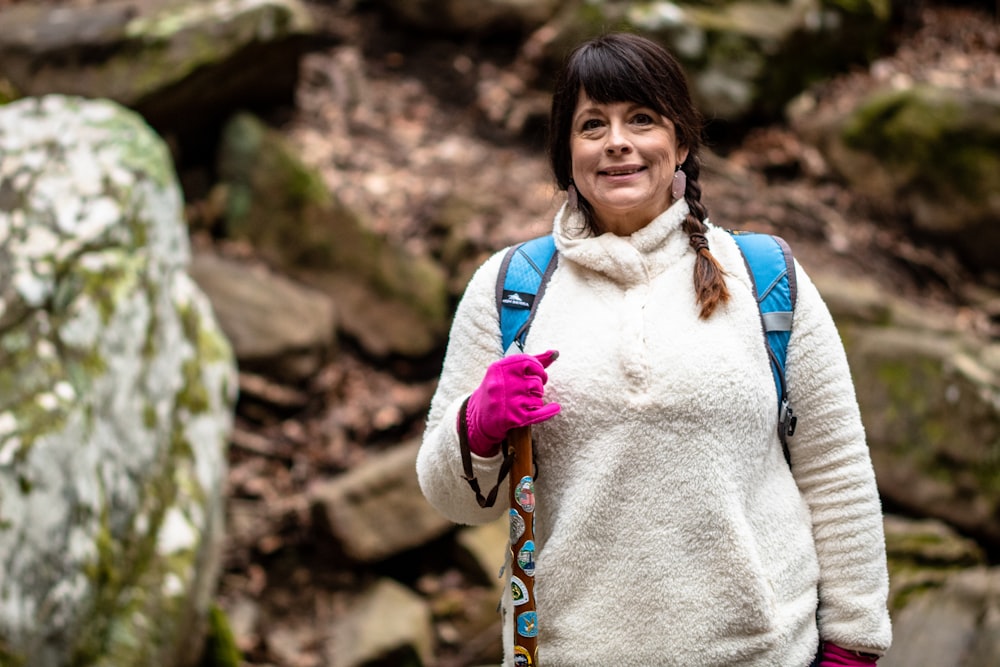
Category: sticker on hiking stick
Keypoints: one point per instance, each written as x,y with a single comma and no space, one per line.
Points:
526,558
527,624
518,592
516,526
522,658
525,494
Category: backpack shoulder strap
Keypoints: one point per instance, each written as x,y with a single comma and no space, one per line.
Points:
521,281
520,285
771,267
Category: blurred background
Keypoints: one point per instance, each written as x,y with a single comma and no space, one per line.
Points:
233,234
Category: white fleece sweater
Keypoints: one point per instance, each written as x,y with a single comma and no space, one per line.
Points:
669,529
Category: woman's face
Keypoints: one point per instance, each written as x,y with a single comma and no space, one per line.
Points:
623,157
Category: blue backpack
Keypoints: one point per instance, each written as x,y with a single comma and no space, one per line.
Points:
526,269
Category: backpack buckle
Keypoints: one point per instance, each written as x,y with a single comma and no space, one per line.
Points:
786,418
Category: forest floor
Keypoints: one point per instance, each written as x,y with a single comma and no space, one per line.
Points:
396,132
398,125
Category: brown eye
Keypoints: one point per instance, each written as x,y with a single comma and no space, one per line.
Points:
591,124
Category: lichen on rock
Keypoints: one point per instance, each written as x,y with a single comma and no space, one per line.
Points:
116,395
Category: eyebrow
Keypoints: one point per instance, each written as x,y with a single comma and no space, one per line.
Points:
596,108
589,109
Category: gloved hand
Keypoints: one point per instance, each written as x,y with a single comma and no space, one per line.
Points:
834,656
509,396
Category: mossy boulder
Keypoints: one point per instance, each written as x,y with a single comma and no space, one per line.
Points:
396,301
944,600
116,396
930,400
929,153
483,17
922,555
746,58
955,624
179,62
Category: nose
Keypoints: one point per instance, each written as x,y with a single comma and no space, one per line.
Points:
618,148
617,142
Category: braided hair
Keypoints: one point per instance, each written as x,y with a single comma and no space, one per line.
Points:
624,67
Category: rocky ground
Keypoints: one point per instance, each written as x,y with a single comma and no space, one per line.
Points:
425,135
400,151
398,129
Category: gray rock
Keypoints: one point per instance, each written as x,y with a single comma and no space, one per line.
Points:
382,326
744,57
929,402
116,391
277,326
387,625
176,61
391,300
377,509
923,554
929,393
957,624
482,17
486,547
926,152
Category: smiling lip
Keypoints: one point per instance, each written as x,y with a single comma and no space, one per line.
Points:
622,170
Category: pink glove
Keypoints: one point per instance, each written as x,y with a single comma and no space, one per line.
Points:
834,656
509,396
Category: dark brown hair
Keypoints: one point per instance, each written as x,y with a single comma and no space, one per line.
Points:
623,67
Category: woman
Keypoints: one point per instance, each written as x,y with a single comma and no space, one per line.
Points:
669,529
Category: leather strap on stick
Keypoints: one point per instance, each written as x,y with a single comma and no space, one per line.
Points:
469,474
522,547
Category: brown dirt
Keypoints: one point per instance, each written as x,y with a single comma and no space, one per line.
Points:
376,123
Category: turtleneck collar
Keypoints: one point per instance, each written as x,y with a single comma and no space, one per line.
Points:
624,259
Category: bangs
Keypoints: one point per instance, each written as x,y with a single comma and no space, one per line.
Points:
608,75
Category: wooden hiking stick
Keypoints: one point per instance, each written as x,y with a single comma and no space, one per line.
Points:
522,548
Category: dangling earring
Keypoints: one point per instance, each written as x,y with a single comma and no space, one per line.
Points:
571,197
680,184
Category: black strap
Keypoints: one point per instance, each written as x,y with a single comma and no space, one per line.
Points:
469,476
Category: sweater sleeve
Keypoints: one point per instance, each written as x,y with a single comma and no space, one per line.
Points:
473,344
833,469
